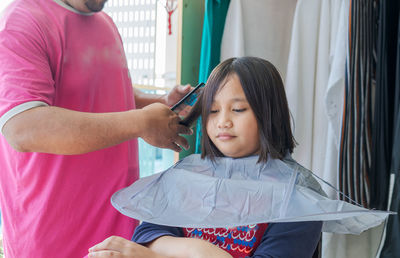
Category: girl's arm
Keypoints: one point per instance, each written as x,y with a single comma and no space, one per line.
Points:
118,247
169,241
184,247
290,239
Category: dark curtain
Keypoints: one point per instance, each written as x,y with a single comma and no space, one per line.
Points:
382,142
391,246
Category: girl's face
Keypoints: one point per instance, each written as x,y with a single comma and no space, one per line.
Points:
231,124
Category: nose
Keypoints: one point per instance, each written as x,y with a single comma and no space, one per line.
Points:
224,120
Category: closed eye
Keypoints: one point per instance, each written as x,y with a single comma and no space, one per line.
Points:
213,111
239,109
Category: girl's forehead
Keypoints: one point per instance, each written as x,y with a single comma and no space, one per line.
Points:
230,88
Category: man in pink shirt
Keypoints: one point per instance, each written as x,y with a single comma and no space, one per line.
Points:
69,119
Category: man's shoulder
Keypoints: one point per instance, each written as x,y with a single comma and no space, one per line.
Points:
29,16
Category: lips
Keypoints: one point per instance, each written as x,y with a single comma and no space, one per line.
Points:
225,136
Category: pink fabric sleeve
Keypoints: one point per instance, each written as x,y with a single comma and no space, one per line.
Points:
25,74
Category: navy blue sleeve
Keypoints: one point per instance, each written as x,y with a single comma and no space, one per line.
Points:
147,232
289,239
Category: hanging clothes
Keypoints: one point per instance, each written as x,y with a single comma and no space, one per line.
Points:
314,83
335,88
260,28
213,27
315,88
355,149
366,146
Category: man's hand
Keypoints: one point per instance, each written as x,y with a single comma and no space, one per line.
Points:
119,247
176,93
161,128
143,99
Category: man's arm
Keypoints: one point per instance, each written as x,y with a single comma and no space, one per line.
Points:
62,131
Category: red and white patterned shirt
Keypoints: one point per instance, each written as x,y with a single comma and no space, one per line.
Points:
239,241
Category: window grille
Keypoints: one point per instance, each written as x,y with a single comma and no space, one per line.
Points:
136,22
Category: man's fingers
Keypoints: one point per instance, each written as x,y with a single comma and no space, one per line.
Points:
173,146
184,88
181,141
185,111
184,130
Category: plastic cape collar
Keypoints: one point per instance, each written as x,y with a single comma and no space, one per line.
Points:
228,192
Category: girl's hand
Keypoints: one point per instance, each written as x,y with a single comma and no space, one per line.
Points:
118,247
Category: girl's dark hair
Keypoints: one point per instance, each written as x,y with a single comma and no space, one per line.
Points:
264,90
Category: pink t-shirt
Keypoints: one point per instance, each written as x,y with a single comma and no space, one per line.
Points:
58,205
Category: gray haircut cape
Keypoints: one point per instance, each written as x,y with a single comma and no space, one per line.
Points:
228,192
